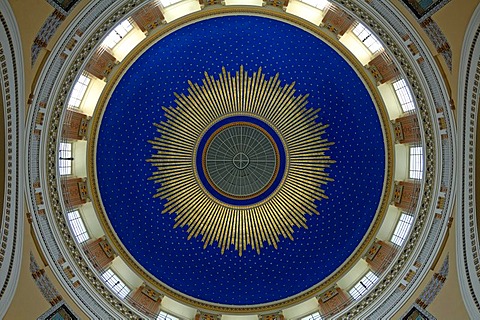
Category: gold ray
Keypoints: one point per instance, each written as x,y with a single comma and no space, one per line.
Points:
168,192
261,223
190,111
306,137
269,86
222,225
211,228
195,221
221,92
179,119
229,235
285,94
290,205
258,91
223,231
183,209
235,231
210,88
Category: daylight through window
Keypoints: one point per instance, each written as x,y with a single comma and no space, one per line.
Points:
363,285
65,158
368,39
114,282
416,163
78,228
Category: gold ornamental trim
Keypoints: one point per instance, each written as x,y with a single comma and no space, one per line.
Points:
276,156
306,157
325,36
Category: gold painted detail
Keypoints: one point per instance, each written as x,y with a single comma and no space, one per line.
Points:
276,215
267,157
312,292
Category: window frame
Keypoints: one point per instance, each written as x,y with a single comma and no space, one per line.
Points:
363,285
402,229
415,162
65,167
369,40
168,3
313,316
166,316
114,37
404,95
115,283
78,226
79,90
319,4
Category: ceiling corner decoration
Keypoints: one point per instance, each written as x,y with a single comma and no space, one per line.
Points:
64,6
424,8
241,160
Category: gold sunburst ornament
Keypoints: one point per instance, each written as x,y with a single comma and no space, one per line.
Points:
240,160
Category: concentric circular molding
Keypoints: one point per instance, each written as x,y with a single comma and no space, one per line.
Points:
237,153
429,89
240,160
414,248
467,233
312,291
12,93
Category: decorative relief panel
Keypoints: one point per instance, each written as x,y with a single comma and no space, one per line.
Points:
46,32
423,9
337,20
333,301
64,6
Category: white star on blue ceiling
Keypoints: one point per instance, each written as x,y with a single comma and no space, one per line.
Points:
123,172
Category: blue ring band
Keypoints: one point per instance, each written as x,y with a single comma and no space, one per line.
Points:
203,177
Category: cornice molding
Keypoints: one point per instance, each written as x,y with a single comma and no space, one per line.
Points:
467,233
13,95
430,91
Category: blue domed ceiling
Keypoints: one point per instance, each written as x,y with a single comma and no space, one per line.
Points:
204,272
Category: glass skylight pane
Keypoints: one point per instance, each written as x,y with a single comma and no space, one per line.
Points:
165,316
166,3
320,4
404,95
313,316
371,277
416,163
65,146
78,228
111,40
65,158
117,34
78,91
363,285
114,282
124,27
368,39
372,44
401,231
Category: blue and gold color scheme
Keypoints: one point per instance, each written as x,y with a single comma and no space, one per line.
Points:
186,268
263,146
231,177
